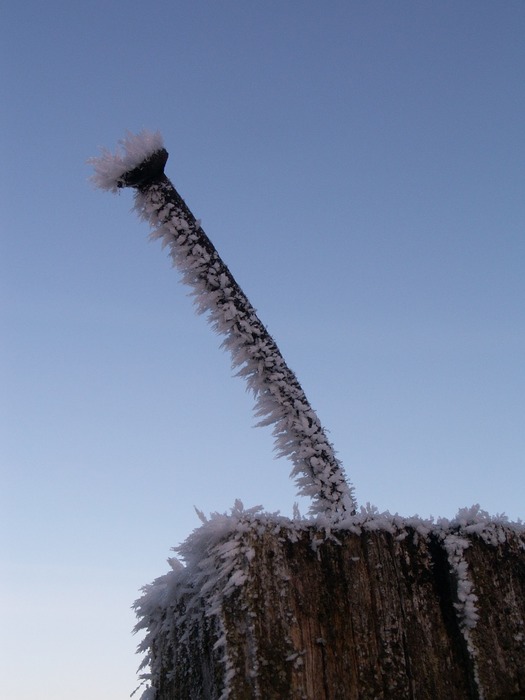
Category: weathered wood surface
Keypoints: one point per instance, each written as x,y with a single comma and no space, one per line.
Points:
373,617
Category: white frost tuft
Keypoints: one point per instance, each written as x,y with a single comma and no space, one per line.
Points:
134,149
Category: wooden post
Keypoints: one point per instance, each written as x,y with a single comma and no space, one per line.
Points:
375,611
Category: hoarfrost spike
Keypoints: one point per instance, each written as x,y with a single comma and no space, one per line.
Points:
280,399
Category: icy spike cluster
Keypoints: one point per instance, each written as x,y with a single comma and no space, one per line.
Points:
280,400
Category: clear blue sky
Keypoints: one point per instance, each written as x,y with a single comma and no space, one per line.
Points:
360,167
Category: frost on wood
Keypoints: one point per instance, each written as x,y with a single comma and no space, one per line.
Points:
280,399
374,606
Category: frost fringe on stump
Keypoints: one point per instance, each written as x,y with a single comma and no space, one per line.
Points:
280,399
218,563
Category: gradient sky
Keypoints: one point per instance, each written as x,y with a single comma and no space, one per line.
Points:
360,168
